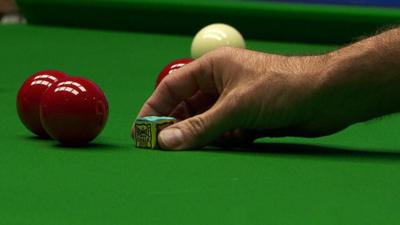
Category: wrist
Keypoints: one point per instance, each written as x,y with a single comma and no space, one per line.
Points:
357,84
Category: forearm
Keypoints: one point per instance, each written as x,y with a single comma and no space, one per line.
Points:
362,81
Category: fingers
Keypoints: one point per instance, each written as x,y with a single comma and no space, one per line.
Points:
184,83
196,104
197,131
177,95
235,138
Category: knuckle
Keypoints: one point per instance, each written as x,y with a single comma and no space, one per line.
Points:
203,66
226,49
220,53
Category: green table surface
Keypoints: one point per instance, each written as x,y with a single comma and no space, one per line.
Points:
352,177
255,19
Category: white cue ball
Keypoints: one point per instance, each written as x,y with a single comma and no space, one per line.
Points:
214,36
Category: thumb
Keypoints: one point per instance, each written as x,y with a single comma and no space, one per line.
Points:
196,131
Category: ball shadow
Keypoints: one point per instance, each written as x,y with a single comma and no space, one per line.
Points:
89,147
35,138
38,138
94,146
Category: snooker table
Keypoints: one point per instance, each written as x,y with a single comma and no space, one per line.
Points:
346,178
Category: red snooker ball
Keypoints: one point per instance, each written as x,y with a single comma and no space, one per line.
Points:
74,111
30,96
171,67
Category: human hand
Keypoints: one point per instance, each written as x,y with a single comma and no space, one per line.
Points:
231,95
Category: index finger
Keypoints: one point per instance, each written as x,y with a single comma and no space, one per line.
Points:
179,86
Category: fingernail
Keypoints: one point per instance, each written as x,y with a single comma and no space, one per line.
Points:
171,138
